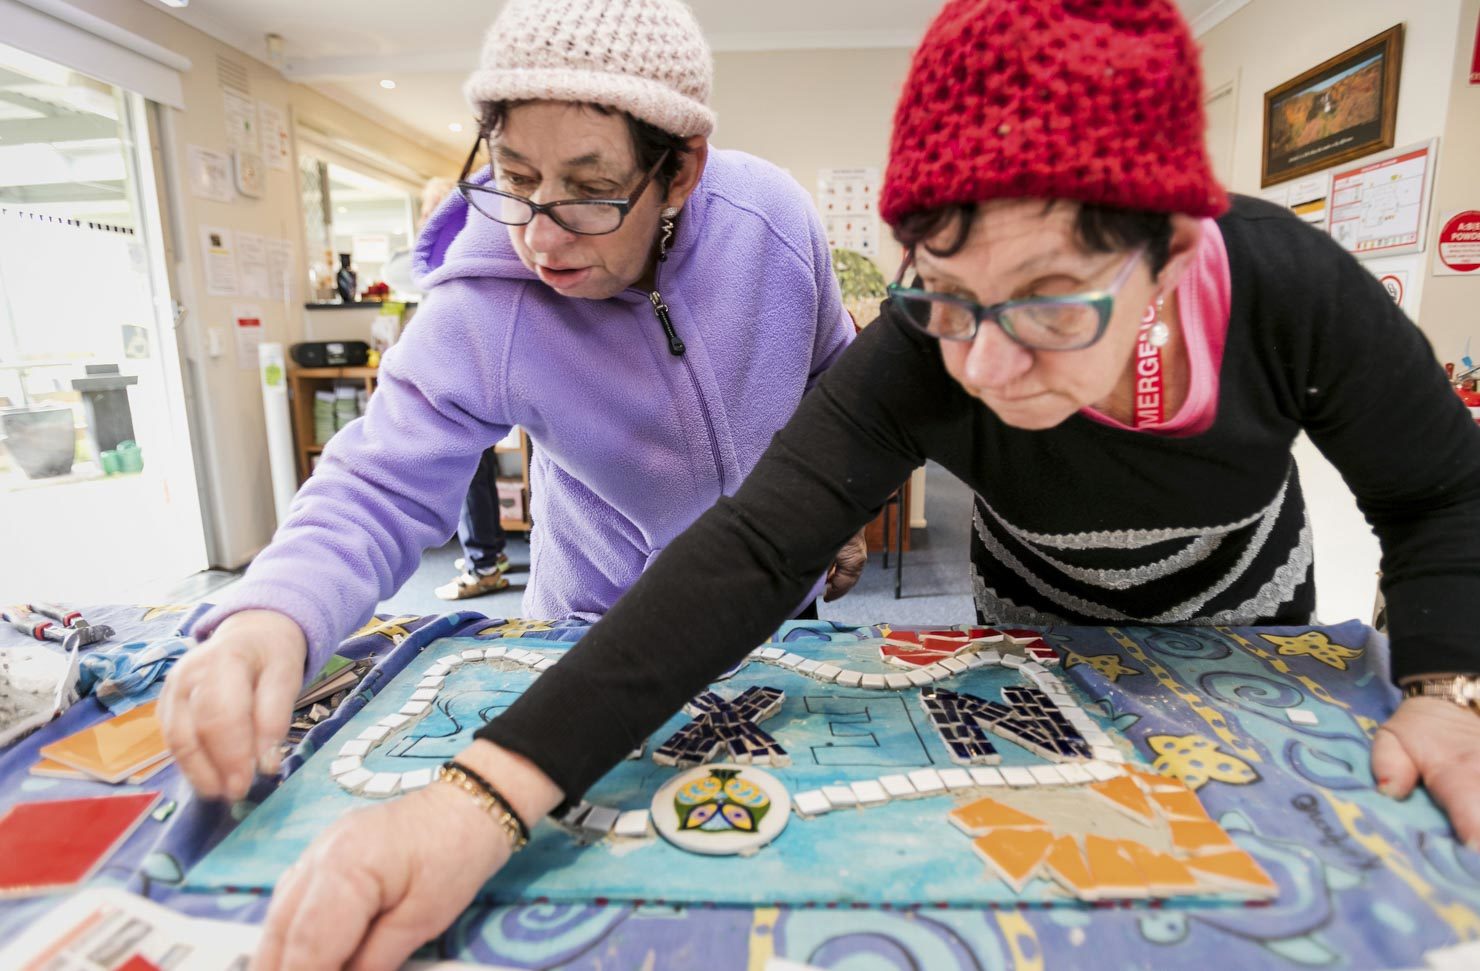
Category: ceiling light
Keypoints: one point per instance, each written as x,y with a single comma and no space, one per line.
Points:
387,83
175,3
455,126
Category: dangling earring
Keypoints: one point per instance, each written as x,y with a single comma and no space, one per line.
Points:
1160,333
667,215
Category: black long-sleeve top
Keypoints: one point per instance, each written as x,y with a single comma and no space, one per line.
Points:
1313,343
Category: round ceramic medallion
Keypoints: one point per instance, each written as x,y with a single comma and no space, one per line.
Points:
721,809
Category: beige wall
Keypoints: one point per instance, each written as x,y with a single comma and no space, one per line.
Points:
1449,313
806,110
1269,42
227,401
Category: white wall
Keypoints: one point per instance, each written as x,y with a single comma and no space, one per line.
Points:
1267,43
811,109
227,401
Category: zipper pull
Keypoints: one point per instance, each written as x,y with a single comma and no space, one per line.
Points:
675,346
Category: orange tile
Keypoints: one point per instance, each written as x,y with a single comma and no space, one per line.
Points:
1068,867
1125,796
1199,837
1155,781
1014,854
1165,875
113,749
1180,805
1234,870
1114,873
976,818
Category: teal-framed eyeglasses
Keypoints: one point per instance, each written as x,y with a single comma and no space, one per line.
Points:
1068,323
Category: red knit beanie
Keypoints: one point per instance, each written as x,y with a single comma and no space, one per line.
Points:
1094,100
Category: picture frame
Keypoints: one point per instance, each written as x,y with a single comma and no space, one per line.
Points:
1341,109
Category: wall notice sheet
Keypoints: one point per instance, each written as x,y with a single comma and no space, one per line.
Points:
1381,207
251,265
848,201
218,258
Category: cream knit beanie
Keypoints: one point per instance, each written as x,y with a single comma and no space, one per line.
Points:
645,57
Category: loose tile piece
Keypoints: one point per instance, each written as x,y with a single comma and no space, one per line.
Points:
494,653
898,786
827,672
771,653
358,748
424,694
1126,797
869,792
545,665
919,678
956,779
1301,716
473,655
415,779
576,813
850,679
1067,865
1199,837
811,803
343,766
926,781
374,733
382,784
394,721
1101,771
1046,775
985,775
352,781
430,682
634,824
1234,870
1014,855
415,707
979,817
450,660
840,796
599,821
808,666
897,682
1074,774
1018,777
874,682
1113,872
790,660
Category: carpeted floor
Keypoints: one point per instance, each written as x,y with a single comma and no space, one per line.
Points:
937,585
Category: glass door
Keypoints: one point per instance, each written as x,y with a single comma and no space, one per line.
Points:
98,494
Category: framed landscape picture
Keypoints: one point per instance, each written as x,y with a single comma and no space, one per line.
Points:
1337,111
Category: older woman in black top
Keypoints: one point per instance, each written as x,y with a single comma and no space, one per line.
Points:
1114,357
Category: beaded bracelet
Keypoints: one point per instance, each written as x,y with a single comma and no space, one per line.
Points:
490,798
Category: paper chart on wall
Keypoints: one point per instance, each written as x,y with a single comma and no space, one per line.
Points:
246,324
209,174
272,123
280,270
218,261
251,265
1381,206
848,201
241,123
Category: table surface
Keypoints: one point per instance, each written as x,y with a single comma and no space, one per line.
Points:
1365,882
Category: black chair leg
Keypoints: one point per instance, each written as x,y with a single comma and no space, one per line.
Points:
899,548
885,531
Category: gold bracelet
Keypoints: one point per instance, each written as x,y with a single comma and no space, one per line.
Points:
500,811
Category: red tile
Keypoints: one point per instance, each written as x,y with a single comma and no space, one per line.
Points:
50,845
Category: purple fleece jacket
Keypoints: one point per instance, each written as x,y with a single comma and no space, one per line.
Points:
632,443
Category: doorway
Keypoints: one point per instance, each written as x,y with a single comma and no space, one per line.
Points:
98,492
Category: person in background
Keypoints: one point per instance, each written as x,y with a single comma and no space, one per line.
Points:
648,309
480,527
1049,181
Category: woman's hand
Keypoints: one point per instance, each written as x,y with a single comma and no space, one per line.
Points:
228,702
1436,742
846,568
387,878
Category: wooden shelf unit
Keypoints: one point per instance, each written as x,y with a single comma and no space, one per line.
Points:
303,382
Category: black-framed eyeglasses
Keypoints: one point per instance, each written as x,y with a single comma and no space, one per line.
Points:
1067,323
587,217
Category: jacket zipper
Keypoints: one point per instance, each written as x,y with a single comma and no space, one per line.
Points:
676,347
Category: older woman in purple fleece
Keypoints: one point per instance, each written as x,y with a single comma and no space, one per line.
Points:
648,309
